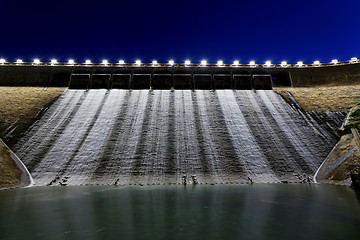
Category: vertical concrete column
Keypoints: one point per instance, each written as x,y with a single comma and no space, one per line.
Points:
212,81
172,82
72,71
232,80
192,81
252,81
110,82
271,81
131,80
90,80
151,78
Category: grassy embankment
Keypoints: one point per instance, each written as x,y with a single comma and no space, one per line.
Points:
10,174
323,98
340,161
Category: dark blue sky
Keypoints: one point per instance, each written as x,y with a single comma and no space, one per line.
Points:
225,30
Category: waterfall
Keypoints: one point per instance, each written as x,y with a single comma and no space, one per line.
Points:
157,137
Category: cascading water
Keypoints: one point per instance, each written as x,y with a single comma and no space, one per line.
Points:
158,137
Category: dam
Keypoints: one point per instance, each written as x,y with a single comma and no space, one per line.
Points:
143,133
132,125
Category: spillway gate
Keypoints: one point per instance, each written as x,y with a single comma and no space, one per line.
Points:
175,78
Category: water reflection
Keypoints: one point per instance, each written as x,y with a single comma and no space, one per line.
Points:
273,211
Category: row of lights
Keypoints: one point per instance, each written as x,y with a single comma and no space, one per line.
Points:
187,62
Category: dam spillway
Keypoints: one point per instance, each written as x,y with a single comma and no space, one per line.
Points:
156,137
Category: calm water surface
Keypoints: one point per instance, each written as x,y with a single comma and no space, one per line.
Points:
259,211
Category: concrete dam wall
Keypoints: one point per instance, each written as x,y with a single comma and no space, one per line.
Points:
157,137
179,76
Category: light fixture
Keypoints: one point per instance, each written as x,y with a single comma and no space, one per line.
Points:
88,61
71,61
121,62
300,63
171,62
252,63
2,61
334,61
268,64
187,62
53,61
219,63
236,62
138,62
154,62
36,61
203,62
105,62
283,64
19,61
317,63
353,59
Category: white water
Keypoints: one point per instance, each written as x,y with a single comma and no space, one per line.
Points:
157,137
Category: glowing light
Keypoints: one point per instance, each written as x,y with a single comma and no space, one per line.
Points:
283,64
187,62
252,63
71,61
300,64
121,62
19,61
334,61
105,62
138,62
2,61
154,62
203,62
36,61
268,64
54,61
171,62
220,63
317,63
87,61
353,59
236,63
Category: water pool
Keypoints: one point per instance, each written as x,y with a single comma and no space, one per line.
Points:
258,211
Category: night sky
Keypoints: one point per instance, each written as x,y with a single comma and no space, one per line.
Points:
227,30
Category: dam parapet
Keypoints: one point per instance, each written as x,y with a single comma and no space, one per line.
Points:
176,76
